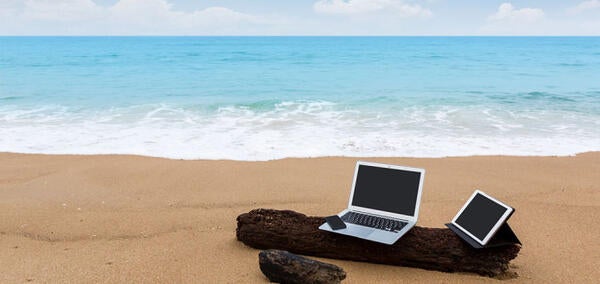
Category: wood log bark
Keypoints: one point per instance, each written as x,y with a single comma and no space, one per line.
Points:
285,267
427,248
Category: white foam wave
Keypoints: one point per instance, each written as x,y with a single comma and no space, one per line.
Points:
295,129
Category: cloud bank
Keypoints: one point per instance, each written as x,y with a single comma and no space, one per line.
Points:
584,7
349,7
507,12
318,17
126,17
509,20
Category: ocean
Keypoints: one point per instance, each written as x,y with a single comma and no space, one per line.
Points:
263,98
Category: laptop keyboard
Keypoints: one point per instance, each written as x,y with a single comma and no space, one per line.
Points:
373,221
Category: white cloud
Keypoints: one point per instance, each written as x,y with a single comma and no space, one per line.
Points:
508,20
348,7
507,12
64,10
584,6
125,17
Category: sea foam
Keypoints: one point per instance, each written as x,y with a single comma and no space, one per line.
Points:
295,129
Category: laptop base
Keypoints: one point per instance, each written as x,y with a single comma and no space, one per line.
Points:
368,233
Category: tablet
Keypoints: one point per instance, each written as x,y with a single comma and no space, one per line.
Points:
481,217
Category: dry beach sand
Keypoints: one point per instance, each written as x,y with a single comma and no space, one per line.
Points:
138,219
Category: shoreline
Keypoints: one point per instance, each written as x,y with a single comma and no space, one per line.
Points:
297,158
116,218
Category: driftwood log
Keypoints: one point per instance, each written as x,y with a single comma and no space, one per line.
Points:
285,267
427,248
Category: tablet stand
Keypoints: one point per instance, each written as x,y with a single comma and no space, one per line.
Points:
504,236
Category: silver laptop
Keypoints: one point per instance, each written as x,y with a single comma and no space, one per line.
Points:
384,202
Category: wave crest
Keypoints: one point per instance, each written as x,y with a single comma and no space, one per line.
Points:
273,129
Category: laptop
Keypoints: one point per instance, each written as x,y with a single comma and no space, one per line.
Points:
384,202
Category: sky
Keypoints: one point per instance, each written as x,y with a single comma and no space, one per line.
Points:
299,17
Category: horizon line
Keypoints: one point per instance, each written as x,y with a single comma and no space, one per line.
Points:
307,35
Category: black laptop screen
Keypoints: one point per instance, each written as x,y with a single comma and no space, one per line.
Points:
386,189
480,216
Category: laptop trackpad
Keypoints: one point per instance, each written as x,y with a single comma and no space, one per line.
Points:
359,230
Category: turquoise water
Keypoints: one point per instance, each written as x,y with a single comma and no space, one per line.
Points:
259,98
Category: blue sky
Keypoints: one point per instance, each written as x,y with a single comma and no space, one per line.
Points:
299,17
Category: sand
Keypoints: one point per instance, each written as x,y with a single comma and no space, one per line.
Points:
113,218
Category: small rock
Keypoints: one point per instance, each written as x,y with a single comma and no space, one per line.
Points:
285,267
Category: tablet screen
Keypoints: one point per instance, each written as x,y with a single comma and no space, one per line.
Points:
481,216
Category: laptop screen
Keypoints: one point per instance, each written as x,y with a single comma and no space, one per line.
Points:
480,216
385,189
